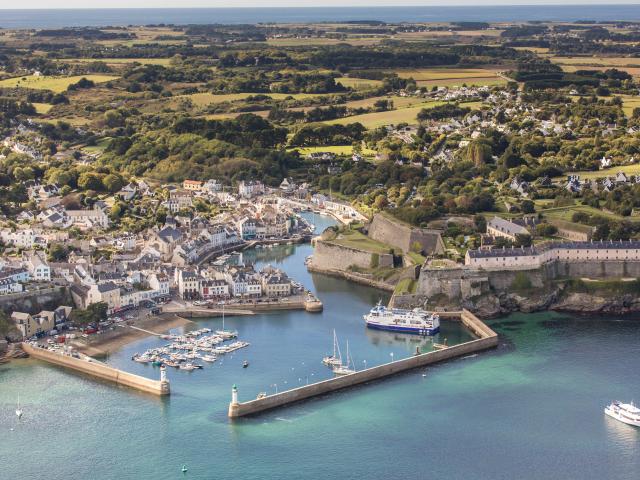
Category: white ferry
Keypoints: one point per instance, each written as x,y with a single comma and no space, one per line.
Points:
625,412
416,321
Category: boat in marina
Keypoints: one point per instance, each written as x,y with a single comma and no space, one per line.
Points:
344,369
209,358
416,321
625,412
336,358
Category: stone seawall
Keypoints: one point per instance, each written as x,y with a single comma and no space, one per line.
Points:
352,277
330,256
99,370
488,339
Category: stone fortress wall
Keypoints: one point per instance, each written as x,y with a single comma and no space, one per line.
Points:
400,235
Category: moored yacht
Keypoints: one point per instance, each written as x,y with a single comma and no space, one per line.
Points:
625,412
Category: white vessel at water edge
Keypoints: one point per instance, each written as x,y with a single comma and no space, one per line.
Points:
334,360
625,412
416,321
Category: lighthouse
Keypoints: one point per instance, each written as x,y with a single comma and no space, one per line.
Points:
164,383
234,395
234,405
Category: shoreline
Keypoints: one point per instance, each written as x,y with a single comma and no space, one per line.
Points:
115,340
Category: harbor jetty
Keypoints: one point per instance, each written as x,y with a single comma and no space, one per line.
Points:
487,339
94,368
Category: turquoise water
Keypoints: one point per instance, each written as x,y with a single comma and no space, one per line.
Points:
530,410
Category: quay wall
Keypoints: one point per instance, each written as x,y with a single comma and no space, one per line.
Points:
488,339
99,370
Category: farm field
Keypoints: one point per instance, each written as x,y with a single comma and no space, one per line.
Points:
398,101
359,83
294,42
55,84
204,99
445,73
470,82
336,149
121,61
602,61
391,117
42,108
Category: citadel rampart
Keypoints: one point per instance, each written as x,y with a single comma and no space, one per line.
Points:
400,235
330,256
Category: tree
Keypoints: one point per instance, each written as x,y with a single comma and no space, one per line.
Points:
380,202
527,206
58,252
90,181
6,325
93,314
522,240
112,183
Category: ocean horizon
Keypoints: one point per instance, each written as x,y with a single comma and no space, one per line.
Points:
100,17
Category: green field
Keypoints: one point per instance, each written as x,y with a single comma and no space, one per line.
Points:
359,83
336,149
566,213
55,84
405,286
359,241
392,117
204,99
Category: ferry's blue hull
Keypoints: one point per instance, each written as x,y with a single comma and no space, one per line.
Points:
401,329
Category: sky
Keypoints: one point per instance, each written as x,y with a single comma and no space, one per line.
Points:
7,4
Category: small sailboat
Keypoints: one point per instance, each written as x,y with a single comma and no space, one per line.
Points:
335,359
344,369
19,411
184,469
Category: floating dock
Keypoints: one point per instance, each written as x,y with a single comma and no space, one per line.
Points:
487,339
100,370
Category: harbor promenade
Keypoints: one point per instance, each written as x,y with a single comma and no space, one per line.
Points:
97,369
487,339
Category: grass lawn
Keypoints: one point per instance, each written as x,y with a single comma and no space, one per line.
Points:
359,241
398,101
55,84
458,82
336,149
359,83
42,108
566,213
379,119
416,258
99,147
406,285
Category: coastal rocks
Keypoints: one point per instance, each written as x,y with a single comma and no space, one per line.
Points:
494,305
586,303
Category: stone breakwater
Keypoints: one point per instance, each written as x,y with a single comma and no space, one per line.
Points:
487,339
96,369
